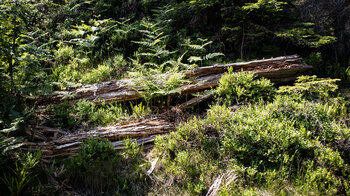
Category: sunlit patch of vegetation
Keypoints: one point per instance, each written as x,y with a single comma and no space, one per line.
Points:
88,114
288,146
235,88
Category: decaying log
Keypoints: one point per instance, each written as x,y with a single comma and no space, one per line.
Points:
58,143
280,69
276,74
248,66
142,132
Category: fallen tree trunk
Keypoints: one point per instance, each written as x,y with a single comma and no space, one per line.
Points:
142,132
280,69
58,143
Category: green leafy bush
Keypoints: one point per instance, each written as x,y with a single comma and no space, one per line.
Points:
99,168
234,88
311,87
86,113
101,73
288,146
67,75
94,166
63,54
22,56
111,69
78,71
303,34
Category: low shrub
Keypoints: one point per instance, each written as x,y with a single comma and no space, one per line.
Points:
99,169
101,73
140,110
311,87
64,54
79,71
287,146
112,68
242,87
88,114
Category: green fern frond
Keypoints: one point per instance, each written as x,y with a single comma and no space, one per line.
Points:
146,54
143,43
195,47
213,55
181,57
169,62
145,32
155,42
151,64
202,40
162,52
163,37
208,43
159,34
194,59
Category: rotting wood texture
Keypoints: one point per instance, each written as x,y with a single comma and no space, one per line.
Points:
142,132
280,69
54,142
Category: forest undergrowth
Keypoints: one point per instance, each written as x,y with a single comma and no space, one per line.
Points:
253,137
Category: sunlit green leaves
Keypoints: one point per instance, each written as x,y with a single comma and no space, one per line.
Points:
304,35
242,87
271,5
21,54
311,87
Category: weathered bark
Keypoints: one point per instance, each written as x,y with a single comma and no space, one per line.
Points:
142,132
280,69
247,66
280,73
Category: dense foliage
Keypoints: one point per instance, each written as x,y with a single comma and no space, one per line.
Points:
291,145
99,169
236,88
48,45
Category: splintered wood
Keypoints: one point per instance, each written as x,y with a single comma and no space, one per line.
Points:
142,132
280,69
